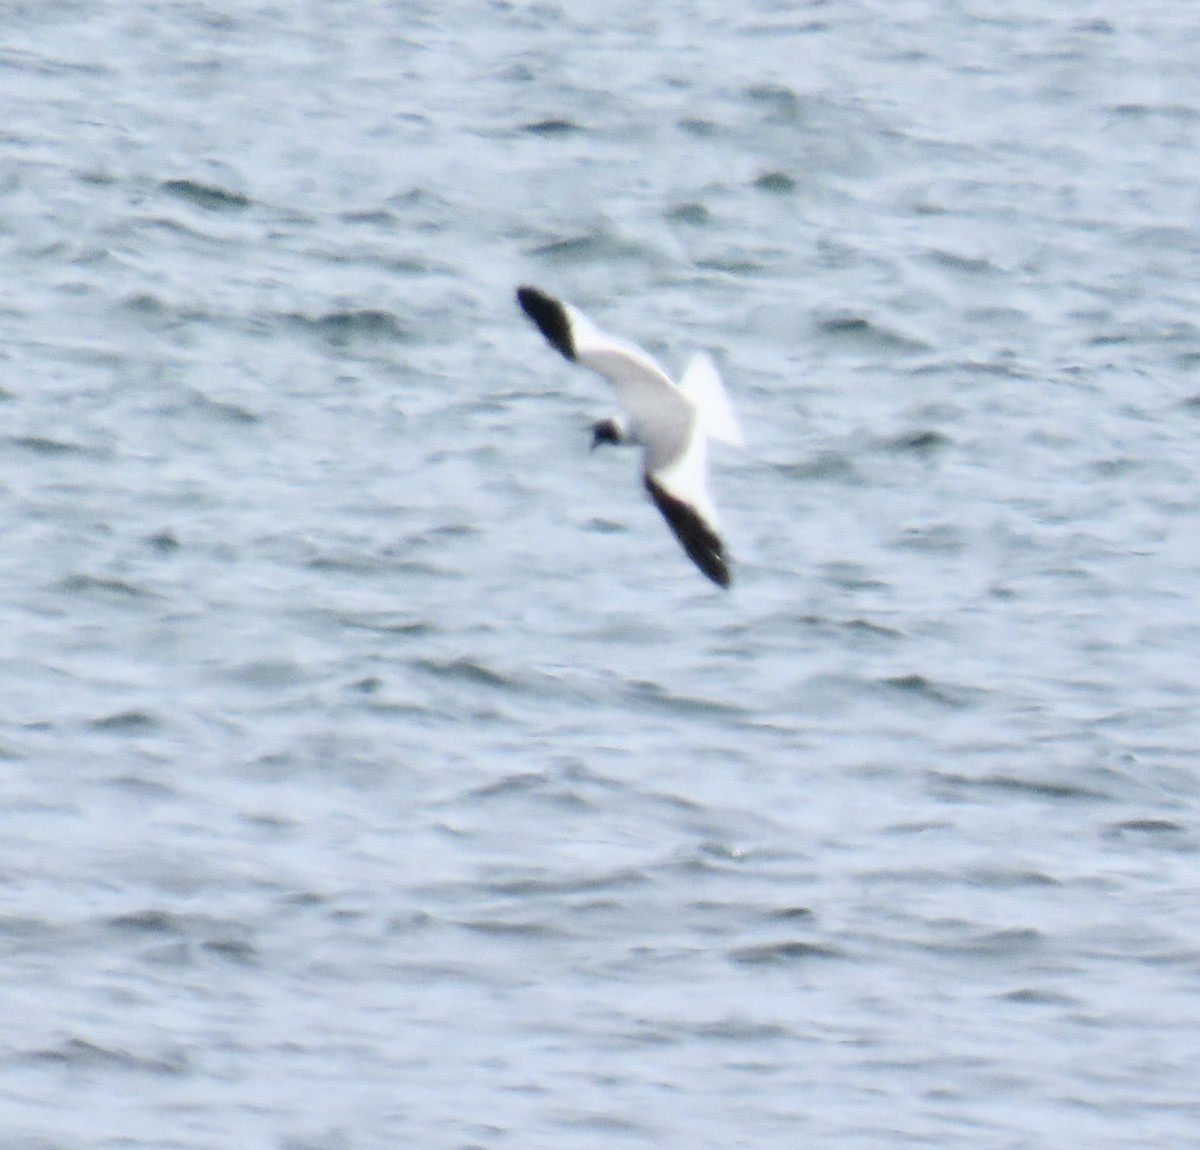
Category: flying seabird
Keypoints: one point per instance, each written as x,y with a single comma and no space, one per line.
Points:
672,423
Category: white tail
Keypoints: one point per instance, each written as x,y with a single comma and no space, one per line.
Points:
701,383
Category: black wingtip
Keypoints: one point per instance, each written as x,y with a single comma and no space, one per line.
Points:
550,316
699,540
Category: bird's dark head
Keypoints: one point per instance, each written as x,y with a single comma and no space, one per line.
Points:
606,431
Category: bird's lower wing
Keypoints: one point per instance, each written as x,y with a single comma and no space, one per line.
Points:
700,541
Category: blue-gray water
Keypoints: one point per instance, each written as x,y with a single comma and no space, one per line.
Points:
376,770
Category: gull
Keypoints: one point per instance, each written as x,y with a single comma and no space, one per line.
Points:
671,422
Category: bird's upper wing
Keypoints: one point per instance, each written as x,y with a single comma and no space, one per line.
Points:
656,407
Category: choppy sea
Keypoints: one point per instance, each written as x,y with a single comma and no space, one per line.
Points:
375,770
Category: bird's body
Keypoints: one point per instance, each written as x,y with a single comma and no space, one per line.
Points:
672,423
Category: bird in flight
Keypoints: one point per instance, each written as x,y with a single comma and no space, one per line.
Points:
671,422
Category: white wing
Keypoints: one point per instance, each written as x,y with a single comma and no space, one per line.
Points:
686,478
658,411
680,491
701,383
